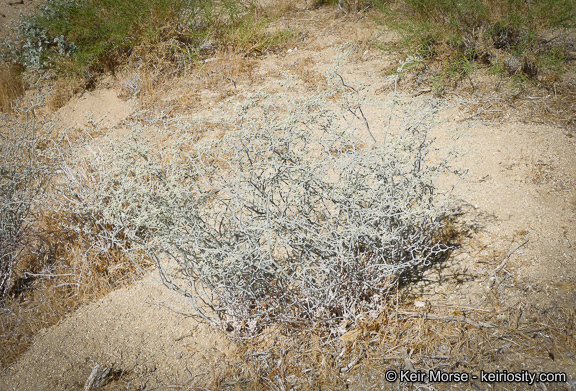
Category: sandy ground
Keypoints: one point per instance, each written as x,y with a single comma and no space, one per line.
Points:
131,329
10,10
520,188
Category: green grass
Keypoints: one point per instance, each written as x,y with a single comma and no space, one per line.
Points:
247,34
91,36
460,67
554,59
460,33
496,68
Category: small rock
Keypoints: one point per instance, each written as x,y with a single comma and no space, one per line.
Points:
513,64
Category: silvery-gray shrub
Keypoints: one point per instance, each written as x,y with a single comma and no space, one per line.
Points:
289,217
24,175
32,45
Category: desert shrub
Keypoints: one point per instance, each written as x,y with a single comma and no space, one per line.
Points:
290,217
47,268
23,179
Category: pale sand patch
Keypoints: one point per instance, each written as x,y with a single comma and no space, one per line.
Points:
129,330
102,108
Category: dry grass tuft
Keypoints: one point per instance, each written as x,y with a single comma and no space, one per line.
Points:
11,86
63,91
153,86
312,79
548,99
224,75
546,104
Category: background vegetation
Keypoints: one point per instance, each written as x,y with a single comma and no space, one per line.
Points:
92,36
517,37
82,38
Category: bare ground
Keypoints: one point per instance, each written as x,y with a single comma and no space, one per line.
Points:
517,265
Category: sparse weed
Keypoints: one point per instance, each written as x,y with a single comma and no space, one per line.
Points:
346,6
248,35
553,59
46,268
519,80
23,178
63,90
497,68
460,68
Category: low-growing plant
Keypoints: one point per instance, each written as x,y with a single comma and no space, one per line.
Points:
47,269
94,33
553,59
248,35
460,67
346,6
291,217
497,68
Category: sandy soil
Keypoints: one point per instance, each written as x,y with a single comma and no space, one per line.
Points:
129,329
88,111
10,10
520,188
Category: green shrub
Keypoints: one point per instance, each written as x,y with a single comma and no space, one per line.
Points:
478,30
82,36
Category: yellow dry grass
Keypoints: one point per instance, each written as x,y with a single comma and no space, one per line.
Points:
11,86
62,92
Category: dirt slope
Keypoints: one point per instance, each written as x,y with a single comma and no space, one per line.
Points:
520,189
